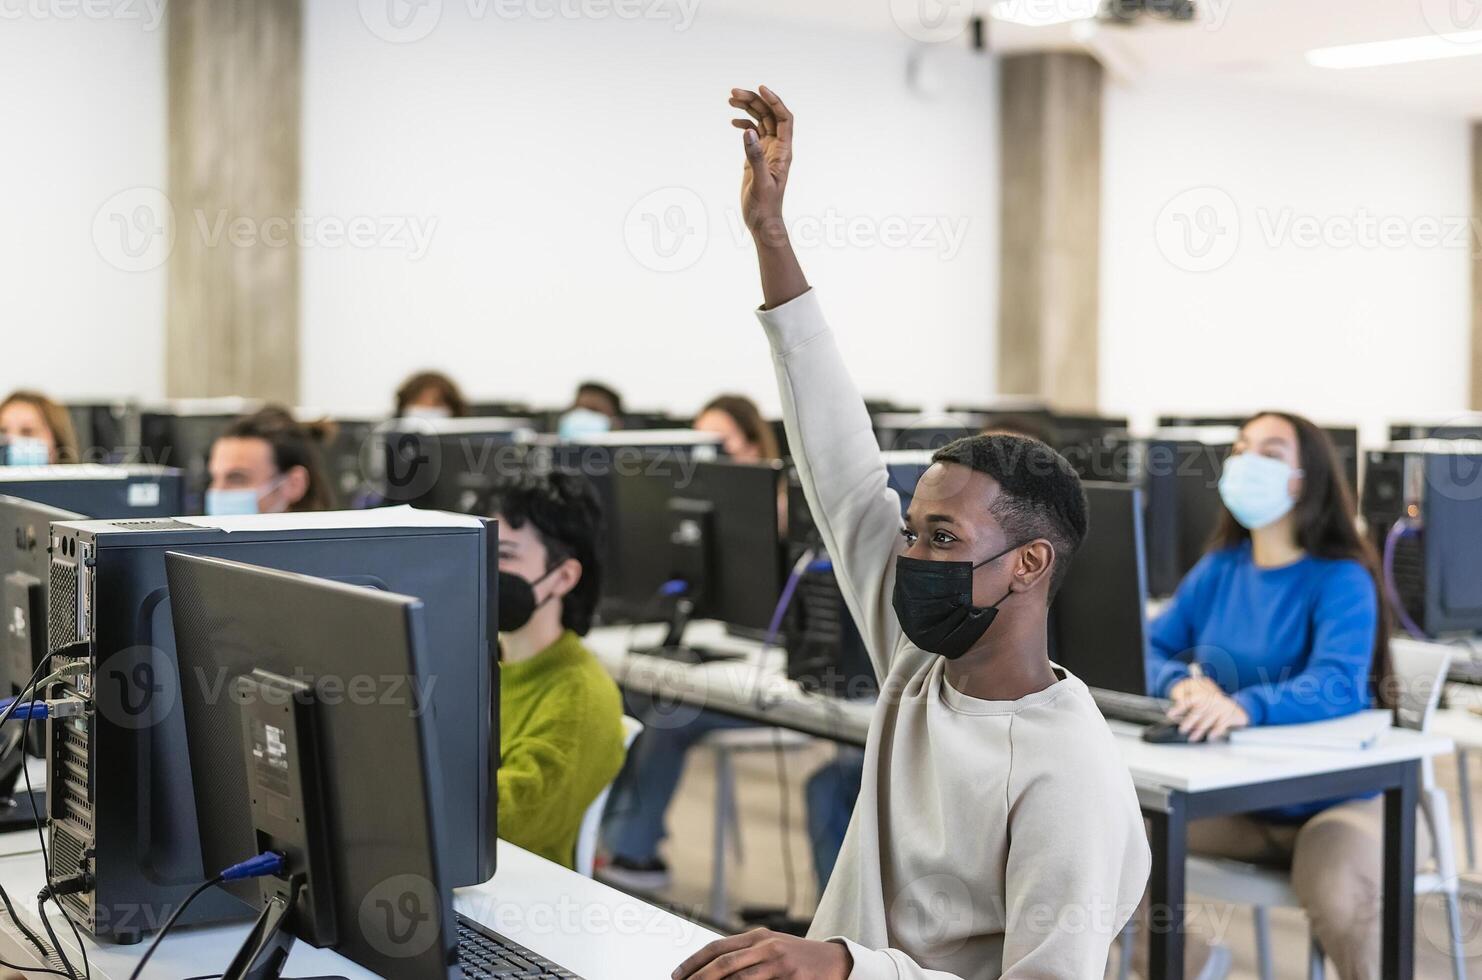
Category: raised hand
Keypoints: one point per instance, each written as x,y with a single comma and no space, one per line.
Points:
767,137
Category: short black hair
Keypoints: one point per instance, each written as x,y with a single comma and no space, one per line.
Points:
605,392
1040,495
567,514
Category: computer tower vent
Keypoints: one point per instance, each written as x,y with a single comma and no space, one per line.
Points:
64,606
67,853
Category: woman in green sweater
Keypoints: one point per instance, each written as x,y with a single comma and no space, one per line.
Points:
560,715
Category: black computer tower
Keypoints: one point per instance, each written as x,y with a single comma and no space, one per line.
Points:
825,651
1436,489
122,804
99,491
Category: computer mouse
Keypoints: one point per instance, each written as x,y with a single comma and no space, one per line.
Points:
1170,735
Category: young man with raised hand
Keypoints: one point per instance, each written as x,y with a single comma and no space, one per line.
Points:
997,832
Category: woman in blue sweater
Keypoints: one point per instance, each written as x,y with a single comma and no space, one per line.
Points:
1281,623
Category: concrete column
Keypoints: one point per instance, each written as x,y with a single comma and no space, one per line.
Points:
1048,313
235,89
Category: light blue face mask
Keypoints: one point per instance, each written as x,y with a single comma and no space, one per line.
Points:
28,452
582,422
1256,489
236,502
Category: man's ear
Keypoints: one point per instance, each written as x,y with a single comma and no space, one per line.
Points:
295,485
1035,563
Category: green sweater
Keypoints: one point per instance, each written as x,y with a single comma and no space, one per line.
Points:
561,742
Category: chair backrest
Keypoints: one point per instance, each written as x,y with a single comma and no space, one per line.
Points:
591,821
1419,675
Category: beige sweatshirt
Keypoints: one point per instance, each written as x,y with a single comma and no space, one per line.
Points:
991,838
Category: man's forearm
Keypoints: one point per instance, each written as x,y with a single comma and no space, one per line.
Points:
782,276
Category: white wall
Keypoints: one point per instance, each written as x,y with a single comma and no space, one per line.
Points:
1247,312
84,120
529,144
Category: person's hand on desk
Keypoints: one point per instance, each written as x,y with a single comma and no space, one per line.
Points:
762,954
1204,711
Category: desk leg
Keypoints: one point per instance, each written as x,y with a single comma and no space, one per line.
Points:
1169,841
1397,957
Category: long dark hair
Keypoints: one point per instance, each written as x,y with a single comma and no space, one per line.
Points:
1327,527
293,444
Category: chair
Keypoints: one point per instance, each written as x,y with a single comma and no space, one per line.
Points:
724,744
1420,670
591,821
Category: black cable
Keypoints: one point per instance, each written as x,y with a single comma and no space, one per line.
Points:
56,943
785,820
87,967
25,929
159,936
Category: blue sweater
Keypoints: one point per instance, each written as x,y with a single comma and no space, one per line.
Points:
1290,644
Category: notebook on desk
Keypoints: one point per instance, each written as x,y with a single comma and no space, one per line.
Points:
1356,731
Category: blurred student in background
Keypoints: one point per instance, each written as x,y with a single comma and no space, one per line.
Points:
1281,623
430,394
746,437
560,714
595,409
269,463
37,429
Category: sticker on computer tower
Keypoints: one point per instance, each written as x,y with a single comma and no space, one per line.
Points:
144,494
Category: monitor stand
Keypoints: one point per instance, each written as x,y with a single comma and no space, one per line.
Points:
673,646
264,952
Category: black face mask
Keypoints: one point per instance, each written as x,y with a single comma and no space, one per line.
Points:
934,602
517,600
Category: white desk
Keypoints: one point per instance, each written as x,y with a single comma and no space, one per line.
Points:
1175,783
754,686
595,931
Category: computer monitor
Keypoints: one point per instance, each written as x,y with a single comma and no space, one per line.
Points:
180,433
346,788
1201,421
725,542
1434,487
107,431
904,469
649,421
448,464
1179,473
1463,426
24,538
901,431
1098,627
109,492
713,527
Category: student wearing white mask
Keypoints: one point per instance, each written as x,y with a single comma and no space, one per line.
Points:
1281,623
269,463
36,431
430,394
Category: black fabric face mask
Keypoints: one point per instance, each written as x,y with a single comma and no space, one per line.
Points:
934,602
517,600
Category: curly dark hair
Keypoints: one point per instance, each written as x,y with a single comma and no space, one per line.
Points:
1040,494
567,514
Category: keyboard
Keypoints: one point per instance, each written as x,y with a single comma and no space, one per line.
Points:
486,955
1138,709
